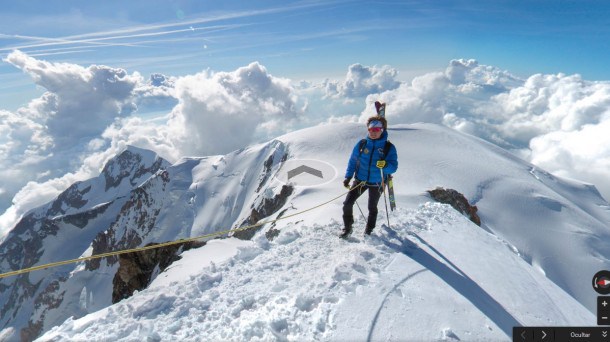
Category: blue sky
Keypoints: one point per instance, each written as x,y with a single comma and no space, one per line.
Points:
304,39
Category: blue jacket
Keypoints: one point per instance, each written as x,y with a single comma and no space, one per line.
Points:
364,165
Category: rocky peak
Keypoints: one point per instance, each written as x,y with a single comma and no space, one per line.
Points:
457,201
132,163
72,197
80,212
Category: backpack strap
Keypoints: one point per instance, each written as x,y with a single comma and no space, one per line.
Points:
386,149
361,147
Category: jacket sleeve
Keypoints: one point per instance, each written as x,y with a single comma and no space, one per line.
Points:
391,161
351,164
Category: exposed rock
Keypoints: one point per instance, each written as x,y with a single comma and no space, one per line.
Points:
457,201
81,219
72,197
135,221
20,253
267,207
49,298
137,269
272,233
129,164
279,150
32,331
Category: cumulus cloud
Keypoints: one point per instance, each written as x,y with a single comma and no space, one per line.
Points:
79,102
582,154
85,118
46,138
22,146
558,122
44,143
460,90
361,81
156,95
247,105
554,121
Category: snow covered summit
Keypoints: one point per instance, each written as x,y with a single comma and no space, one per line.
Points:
431,275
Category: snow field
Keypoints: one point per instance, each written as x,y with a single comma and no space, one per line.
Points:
285,289
433,276
420,280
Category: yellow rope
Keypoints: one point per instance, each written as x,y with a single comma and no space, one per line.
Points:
169,243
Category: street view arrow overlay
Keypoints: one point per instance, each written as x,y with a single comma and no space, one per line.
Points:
306,172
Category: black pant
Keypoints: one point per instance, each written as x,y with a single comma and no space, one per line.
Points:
348,206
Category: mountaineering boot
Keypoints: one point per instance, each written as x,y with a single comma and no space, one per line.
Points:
347,230
370,224
345,233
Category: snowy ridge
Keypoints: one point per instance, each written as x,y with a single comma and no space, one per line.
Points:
61,230
547,231
423,280
149,201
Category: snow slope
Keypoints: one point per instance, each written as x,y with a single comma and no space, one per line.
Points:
434,275
558,226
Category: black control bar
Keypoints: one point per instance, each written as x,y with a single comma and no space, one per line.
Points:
561,334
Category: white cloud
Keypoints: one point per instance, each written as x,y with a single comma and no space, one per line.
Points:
157,94
361,81
45,141
557,121
580,154
547,103
80,102
247,105
135,131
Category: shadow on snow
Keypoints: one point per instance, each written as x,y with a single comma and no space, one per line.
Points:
454,277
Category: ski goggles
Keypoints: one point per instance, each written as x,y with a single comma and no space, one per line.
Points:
375,129
375,124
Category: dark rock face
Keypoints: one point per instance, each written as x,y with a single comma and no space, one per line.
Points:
267,207
269,162
81,220
49,298
264,206
72,197
457,201
137,269
128,164
135,221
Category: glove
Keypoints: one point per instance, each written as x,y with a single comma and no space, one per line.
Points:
381,164
346,182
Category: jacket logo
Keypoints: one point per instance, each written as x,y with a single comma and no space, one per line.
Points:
366,151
